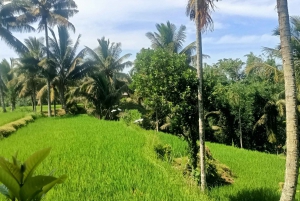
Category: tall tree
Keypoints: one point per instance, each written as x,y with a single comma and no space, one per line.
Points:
68,63
168,38
9,21
106,58
50,13
292,139
4,69
29,72
200,12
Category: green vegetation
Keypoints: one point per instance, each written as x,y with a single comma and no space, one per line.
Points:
11,116
19,182
111,161
103,160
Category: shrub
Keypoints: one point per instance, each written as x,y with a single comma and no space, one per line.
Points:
6,130
11,127
129,116
18,181
163,151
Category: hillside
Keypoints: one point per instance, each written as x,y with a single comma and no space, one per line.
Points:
110,161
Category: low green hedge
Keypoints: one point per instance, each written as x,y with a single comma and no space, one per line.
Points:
7,129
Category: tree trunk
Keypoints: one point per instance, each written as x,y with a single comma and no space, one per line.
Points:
41,106
291,171
156,123
2,100
48,79
240,125
54,107
200,99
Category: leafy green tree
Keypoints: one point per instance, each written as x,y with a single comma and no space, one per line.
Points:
199,11
169,89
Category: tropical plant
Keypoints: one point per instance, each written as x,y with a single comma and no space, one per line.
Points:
106,58
19,182
97,89
200,12
9,21
50,13
30,73
292,136
4,69
68,63
168,38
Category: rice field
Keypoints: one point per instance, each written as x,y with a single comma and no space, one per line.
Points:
111,161
11,116
103,161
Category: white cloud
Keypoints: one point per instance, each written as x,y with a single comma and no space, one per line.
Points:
242,40
128,21
254,8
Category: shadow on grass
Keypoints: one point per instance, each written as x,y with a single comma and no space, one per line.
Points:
261,194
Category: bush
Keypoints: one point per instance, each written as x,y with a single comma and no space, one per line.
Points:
11,127
129,116
6,130
163,151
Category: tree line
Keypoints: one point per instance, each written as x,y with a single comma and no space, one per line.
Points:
245,104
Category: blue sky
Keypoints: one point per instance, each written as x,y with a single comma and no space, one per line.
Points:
241,26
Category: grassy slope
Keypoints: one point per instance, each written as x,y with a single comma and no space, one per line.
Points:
104,160
257,175
109,161
11,116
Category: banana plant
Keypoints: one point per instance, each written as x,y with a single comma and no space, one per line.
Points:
18,182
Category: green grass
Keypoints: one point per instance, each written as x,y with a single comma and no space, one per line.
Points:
11,116
110,161
103,160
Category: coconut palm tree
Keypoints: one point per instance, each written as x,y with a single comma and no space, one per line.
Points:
106,58
30,73
170,39
97,89
50,13
292,138
4,70
200,12
68,63
9,21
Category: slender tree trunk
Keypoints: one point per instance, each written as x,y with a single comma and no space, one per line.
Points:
54,107
48,79
2,100
240,125
200,99
41,105
156,123
292,143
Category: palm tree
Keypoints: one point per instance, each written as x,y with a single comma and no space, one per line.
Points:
10,22
50,13
199,11
30,73
97,89
4,70
68,63
170,39
106,58
292,138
